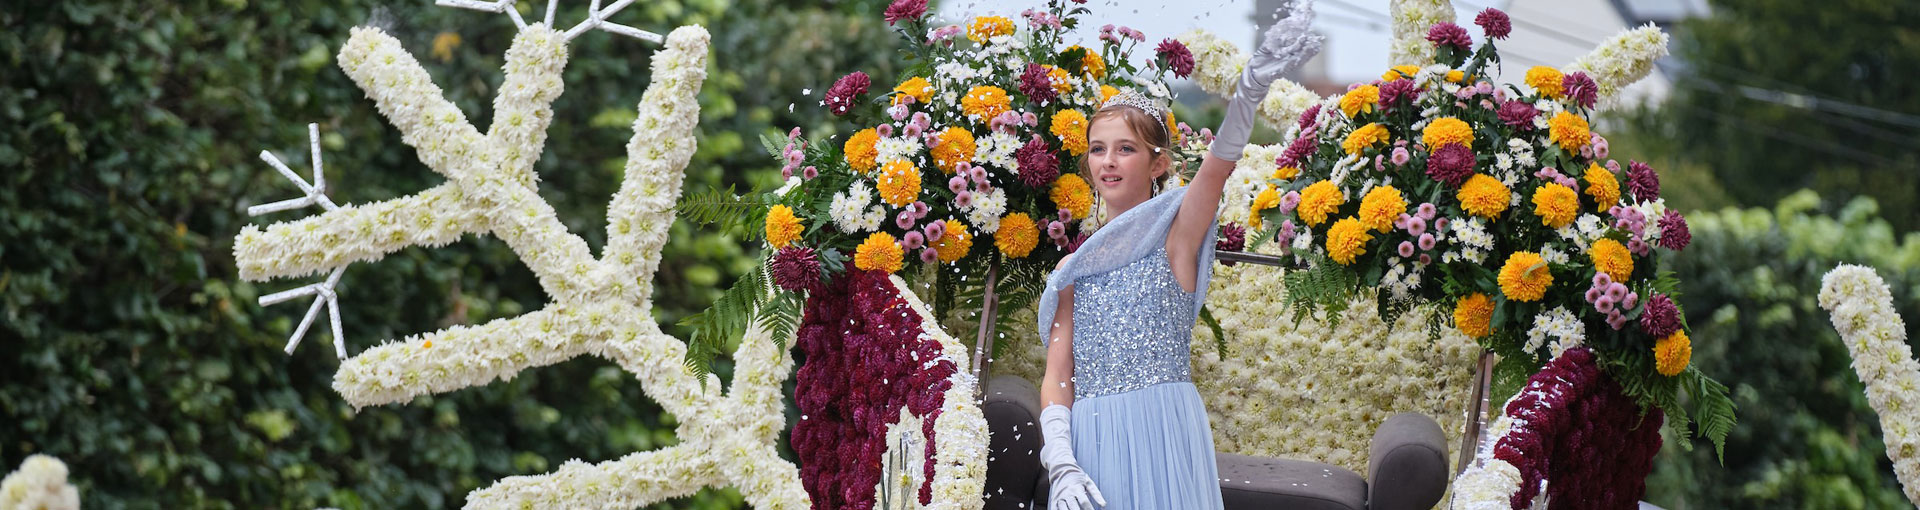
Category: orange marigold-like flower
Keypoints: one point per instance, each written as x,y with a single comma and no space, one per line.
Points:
985,28
1473,315
1090,63
1285,172
1456,76
1525,277
916,87
1603,187
1107,92
783,228
1556,205
1367,136
860,150
899,183
985,102
954,243
1319,200
1546,80
1360,100
1569,130
1070,126
1017,235
1446,130
1072,193
1347,240
1484,196
1399,72
1380,207
1672,354
878,253
956,147
1612,258
1060,80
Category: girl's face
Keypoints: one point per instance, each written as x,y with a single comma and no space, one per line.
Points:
1122,166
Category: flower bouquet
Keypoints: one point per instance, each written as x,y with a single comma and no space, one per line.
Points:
1495,209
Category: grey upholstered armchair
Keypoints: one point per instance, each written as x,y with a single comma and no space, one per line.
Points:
1407,464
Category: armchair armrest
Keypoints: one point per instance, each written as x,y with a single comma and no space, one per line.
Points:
1406,464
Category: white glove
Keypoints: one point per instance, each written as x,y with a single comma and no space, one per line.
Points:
1071,489
1287,44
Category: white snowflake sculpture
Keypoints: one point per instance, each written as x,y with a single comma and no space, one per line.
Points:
599,306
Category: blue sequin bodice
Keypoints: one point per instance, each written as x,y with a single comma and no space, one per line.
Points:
1131,328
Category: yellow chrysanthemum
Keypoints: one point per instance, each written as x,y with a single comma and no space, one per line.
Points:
986,102
783,228
1107,92
1484,196
1360,100
860,150
1072,193
878,253
1267,199
1672,354
1612,258
1017,235
1173,127
954,243
1319,200
1399,72
1569,130
1059,78
1070,126
1446,130
985,28
1546,80
1473,315
1090,63
1556,205
956,147
1367,136
1603,187
1285,172
899,183
1347,240
1525,277
916,87
1456,76
1380,207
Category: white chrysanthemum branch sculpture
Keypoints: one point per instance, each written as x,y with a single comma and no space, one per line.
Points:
599,306
1623,59
315,193
1411,20
40,484
1876,337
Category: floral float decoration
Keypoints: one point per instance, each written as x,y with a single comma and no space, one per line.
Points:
1497,211
1876,337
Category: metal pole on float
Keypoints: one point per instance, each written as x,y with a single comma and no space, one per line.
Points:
983,345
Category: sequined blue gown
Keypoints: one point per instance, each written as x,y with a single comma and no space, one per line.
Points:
1139,428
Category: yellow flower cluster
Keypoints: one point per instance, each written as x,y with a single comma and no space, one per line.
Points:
1612,258
1319,200
1398,72
1525,277
1446,130
916,87
1347,240
1017,235
1602,186
1672,354
1285,172
1546,80
1107,92
860,150
1473,315
899,183
1380,207
956,147
954,243
1556,205
1456,76
1484,196
1569,130
1072,193
1360,100
1267,199
985,28
985,102
783,228
1367,136
1091,64
878,253
1059,78
1070,126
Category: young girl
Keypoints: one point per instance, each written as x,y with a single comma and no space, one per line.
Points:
1123,425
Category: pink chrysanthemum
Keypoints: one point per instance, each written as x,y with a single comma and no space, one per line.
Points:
1494,23
1446,33
1661,317
1179,59
1674,234
844,92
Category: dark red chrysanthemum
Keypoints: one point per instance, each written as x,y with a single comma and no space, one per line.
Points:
845,91
1674,234
1178,58
1446,33
1397,93
1233,237
1452,165
1038,166
796,268
1304,145
1518,114
905,10
1580,88
1643,182
1661,317
1494,23
1307,119
1035,84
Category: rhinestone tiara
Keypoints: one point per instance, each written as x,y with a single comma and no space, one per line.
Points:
1133,98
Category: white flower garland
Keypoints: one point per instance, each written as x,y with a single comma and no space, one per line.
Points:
1623,59
1876,337
600,307
1411,20
40,484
